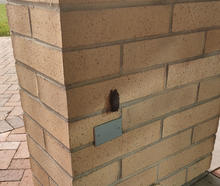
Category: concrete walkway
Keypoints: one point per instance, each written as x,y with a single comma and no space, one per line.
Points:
14,155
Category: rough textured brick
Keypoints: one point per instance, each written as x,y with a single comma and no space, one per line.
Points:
198,168
190,16
92,156
190,117
19,19
209,88
183,73
139,137
158,51
108,25
90,64
148,177
46,25
47,119
34,130
155,153
27,79
175,180
103,176
95,97
46,60
36,182
212,41
157,106
49,165
186,157
39,172
58,152
96,1
53,95
81,132
205,129
52,182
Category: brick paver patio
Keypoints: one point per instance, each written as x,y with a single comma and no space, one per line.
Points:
14,155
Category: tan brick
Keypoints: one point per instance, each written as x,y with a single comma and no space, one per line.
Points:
19,19
212,41
190,117
81,132
34,130
209,88
92,156
186,157
205,129
175,180
53,95
158,51
157,106
148,177
106,25
52,182
48,164
46,25
47,119
90,64
27,79
36,182
95,97
187,72
198,168
155,153
39,172
58,152
46,60
190,16
141,136
103,176
98,1
43,1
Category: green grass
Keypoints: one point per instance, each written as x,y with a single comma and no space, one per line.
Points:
4,28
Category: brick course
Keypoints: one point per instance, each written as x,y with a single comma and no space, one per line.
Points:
162,57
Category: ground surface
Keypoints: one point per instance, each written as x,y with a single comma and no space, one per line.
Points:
14,155
4,29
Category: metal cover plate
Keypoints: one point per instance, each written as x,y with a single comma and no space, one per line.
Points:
108,131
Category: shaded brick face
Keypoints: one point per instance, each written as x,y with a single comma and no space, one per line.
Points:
164,61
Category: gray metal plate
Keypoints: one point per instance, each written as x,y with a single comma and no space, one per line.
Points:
108,131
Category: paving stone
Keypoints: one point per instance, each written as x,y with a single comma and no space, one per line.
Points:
9,145
16,122
11,175
217,172
20,164
18,131
4,126
16,183
22,151
4,136
5,158
17,137
27,178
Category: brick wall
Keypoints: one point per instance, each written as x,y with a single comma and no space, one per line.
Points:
163,57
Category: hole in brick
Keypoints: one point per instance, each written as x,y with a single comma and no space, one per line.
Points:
114,100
